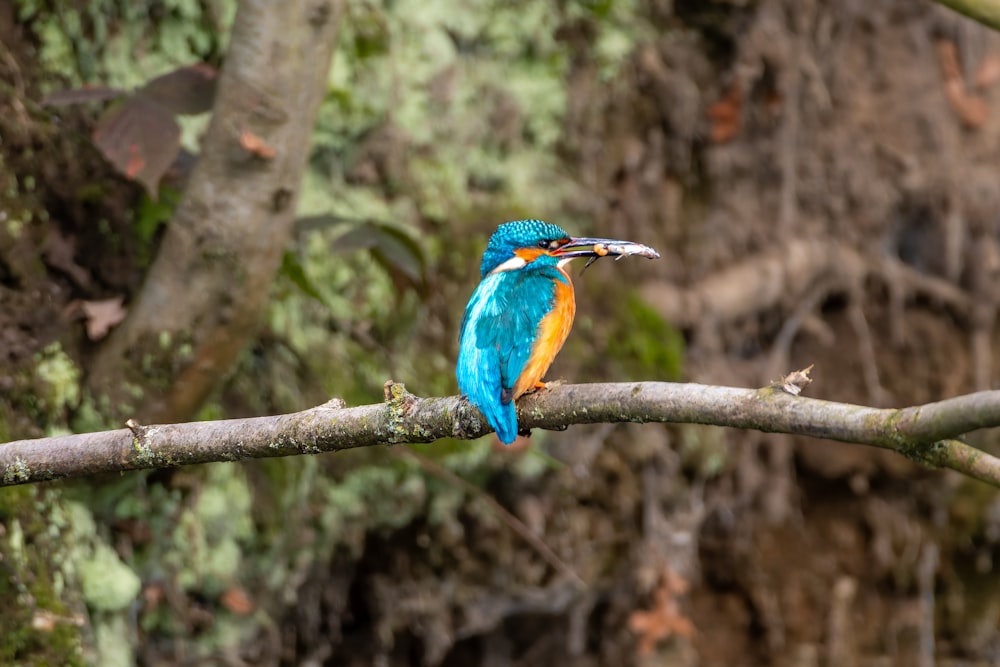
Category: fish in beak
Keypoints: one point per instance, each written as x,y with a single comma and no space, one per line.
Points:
594,249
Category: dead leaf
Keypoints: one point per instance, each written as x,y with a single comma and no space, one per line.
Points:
102,315
665,619
253,144
187,90
236,600
44,620
725,116
796,381
140,137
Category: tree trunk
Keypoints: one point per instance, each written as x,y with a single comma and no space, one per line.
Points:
210,281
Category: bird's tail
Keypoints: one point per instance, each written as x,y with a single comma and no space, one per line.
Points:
504,421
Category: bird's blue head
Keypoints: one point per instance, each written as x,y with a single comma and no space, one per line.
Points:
522,243
531,237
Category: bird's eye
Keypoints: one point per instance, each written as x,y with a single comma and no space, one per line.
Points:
544,245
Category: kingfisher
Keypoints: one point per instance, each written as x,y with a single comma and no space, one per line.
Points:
521,313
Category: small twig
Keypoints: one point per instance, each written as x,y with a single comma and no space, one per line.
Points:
866,347
778,358
926,571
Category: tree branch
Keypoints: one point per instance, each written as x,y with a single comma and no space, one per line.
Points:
986,12
925,434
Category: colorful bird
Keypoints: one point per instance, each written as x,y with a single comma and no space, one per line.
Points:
520,314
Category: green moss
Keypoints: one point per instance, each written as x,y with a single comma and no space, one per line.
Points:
373,497
16,472
113,648
100,41
57,381
647,346
205,551
107,583
40,619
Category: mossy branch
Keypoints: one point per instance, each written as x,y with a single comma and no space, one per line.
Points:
925,433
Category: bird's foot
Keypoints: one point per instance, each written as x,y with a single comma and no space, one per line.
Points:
542,386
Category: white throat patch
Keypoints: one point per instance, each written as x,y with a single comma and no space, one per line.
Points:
512,264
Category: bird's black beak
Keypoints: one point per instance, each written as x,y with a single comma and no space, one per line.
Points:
595,248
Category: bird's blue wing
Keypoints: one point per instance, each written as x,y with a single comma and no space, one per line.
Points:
498,332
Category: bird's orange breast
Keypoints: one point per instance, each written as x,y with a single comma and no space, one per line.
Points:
551,334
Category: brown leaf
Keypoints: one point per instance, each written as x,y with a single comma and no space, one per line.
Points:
236,600
186,90
251,143
725,116
44,620
140,137
796,381
665,619
102,315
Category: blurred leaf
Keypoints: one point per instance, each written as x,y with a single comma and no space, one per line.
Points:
292,269
314,222
393,248
62,98
237,601
102,315
140,138
151,215
186,90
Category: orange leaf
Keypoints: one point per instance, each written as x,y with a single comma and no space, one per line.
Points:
665,619
725,116
236,600
135,163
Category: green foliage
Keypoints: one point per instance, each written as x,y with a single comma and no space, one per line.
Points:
151,215
57,384
646,345
102,41
40,613
107,583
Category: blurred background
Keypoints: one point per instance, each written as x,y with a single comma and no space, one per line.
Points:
821,180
